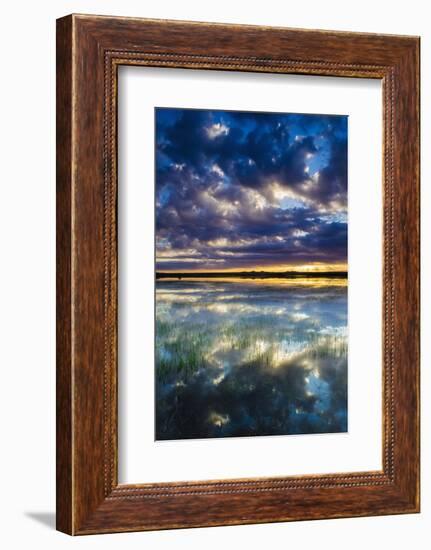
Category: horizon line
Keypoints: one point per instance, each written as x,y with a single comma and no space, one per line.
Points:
256,274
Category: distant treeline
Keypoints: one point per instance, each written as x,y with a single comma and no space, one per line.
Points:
256,275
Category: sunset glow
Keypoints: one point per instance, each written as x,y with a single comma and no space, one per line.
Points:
241,191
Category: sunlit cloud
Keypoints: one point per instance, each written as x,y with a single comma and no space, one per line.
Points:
216,130
217,170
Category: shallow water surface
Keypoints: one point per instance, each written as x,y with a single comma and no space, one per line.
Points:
243,357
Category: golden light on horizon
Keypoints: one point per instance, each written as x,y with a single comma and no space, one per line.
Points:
279,268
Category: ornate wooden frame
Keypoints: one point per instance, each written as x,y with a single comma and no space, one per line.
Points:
89,51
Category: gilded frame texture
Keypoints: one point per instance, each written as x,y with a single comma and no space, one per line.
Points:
89,51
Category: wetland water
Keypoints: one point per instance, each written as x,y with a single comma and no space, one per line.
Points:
250,357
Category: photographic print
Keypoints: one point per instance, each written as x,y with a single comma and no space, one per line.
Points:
251,273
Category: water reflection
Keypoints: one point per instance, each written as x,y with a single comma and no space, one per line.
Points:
250,357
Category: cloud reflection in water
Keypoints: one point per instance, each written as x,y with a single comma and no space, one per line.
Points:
246,358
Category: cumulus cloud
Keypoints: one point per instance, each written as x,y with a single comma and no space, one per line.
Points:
269,188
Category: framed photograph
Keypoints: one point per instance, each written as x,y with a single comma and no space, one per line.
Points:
237,274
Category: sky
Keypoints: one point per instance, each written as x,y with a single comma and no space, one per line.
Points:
250,191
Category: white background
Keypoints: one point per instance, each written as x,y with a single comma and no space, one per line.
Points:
27,122
141,458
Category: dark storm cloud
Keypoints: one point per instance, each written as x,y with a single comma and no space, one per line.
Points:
240,189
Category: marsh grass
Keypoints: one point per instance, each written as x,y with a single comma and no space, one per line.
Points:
180,349
183,349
